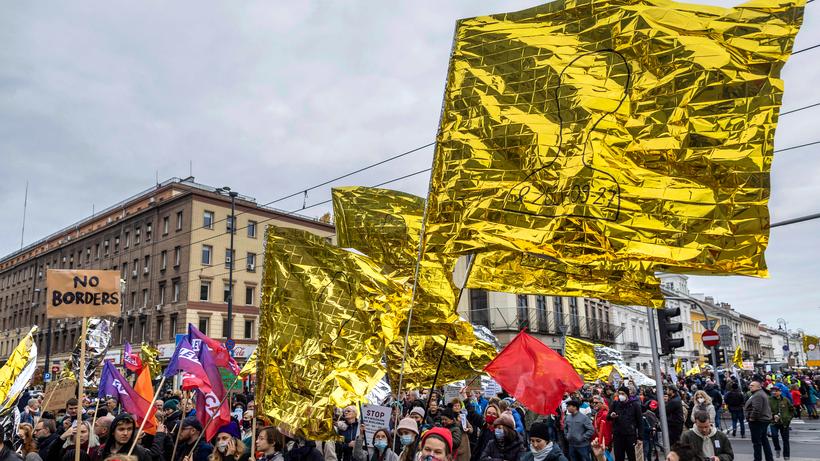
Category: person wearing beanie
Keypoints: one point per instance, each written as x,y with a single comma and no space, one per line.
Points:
461,444
541,447
408,432
506,445
228,445
417,414
578,431
437,445
627,419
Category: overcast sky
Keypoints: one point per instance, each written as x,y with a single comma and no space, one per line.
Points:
96,98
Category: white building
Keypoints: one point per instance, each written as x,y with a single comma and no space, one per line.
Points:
633,343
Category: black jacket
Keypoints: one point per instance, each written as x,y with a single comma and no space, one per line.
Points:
714,394
8,455
735,400
629,421
306,452
674,413
506,451
44,444
202,452
554,455
155,453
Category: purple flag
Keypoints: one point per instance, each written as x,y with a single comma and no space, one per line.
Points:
186,360
207,402
114,385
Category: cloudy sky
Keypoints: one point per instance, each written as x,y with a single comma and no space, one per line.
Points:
97,98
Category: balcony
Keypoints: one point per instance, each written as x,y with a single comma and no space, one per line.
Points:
631,349
546,322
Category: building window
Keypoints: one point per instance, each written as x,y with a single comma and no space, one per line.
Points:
203,325
88,254
225,327
135,268
479,313
160,324
558,310
105,248
250,259
248,329
163,260
165,225
229,258
229,227
161,293
97,251
116,245
541,313
173,327
127,239
124,270
177,255
522,311
207,251
146,267
208,220
252,229
148,232
137,236
175,288
249,292
226,293
133,299
179,220
144,297
204,290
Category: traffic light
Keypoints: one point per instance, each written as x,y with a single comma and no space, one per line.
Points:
666,328
721,357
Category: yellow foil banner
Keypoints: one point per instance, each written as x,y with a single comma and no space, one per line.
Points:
600,132
16,374
581,355
250,366
386,225
150,358
325,318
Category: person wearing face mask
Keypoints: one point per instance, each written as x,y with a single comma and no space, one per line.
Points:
703,403
578,432
486,432
347,427
408,432
247,427
228,446
627,420
506,445
379,450
541,447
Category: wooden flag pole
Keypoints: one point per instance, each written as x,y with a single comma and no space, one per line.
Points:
94,421
145,418
185,396
80,393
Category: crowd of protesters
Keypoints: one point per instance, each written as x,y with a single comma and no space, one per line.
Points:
600,422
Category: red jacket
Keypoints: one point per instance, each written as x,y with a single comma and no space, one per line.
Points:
603,428
796,397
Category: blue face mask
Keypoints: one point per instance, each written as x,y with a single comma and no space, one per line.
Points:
406,440
499,433
380,444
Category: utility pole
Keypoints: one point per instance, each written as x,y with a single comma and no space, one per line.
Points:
232,230
656,359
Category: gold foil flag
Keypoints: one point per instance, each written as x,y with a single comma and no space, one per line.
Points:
324,322
737,358
250,367
150,358
679,366
581,355
386,225
616,134
16,374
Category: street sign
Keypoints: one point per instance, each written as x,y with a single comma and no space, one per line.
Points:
725,333
710,338
229,344
46,376
812,347
178,337
55,369
708,324
786,347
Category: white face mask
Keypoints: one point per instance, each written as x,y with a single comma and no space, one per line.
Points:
701,400
222,446
622,397
341,425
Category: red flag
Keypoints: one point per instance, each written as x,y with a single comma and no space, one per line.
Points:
534,374
145,389
208,406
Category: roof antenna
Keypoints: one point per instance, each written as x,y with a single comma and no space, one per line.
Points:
25,204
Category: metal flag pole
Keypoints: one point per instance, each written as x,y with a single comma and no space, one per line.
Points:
656,364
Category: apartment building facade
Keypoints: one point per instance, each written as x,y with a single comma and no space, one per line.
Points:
171,246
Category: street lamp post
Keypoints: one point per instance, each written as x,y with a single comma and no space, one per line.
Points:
783,326
232,230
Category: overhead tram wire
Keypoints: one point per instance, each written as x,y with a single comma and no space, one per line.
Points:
805,49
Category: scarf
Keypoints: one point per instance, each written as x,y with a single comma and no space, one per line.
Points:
540,455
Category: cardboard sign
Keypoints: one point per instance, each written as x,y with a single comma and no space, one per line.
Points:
374,417
491,388
82,293
451,392
58,393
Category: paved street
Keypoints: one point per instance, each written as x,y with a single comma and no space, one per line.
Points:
804,436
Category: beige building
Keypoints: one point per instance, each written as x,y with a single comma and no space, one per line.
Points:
171,246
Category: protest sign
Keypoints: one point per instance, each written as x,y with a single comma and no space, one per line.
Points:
491,388
58,393
82,293
451,392
374,418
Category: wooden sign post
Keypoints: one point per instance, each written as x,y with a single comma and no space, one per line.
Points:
82,293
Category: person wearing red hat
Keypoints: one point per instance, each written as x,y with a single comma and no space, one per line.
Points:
437,445
650,430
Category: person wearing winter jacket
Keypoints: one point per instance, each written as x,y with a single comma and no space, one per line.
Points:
506,445
674,414
270,443
734,401
123,435
379,449
602,425
709,443
579,431
782,413
758,413
541,447
461,442
408,432
703,403
348,427
486,431
627,421
649,433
